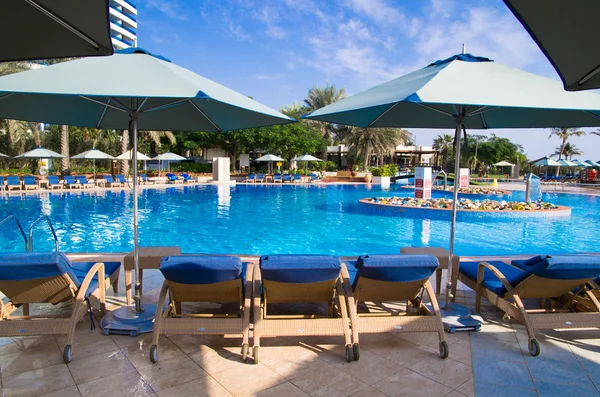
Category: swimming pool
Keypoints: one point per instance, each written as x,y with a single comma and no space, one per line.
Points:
282,219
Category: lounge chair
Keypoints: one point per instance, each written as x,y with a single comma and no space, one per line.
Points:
84,183
313,177
29,182
395,278
277,178
53,182
172,178
297,178
13,182
260,177
71,183
550,277
146,180
186,178
287,178
121,179
298,279
50,278
2,186
110,182
209,278
250,178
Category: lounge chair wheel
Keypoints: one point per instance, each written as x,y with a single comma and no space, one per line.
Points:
444,352
68,354
349,354
245,348
153,353
356,351
534,348
255,354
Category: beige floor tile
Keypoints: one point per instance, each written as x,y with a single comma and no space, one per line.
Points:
369,392
410,384
213,360
248,379
467,388
455,393
168,373
290,361
72,391
124,384
329,381
191,343
203,387
37,382
286,389
30,359
396,349
370,369
461,351
448,372
138,350
15,345
99,366
88,343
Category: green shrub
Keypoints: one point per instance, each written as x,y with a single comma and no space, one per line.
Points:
386,170
197,168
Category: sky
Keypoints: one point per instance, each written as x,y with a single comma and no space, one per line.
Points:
276,50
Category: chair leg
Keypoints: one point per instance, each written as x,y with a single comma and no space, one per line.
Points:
438,281
26,309
115,286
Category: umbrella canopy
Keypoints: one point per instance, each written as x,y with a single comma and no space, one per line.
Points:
306,157
128,156
93,154
566,163
545,162
3,155
590,163
465,91
269,157
168,156
579,163
571,51
40,153
503,164
60,29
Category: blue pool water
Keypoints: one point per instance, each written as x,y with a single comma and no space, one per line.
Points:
282,219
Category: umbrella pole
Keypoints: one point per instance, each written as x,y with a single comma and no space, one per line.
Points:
94,162
459,122
136,260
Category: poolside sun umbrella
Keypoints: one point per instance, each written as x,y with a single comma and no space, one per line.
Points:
93,154
503,164
128,155
40,153
571,51
579,163
464,92
545,162
129,90
307,158
270,158
56,29
168,157
566,163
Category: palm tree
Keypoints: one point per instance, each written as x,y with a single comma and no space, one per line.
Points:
155,136
124,148
569,151
20,133
320,97
564,134
363,142
64,149
295,110
444,144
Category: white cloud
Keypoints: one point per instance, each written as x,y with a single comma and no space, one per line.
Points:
170,8
269,76
378,10
269,16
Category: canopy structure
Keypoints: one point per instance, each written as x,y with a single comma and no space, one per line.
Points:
57,29
93,154
270,158
129,90
579,163
545,162
571,51
307,158
128,155
503,164
461,92
590,163
40,153
168,157
566,163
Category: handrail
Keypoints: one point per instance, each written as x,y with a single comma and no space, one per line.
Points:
3,221
51,229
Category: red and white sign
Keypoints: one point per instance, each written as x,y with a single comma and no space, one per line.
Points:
423,182
464,175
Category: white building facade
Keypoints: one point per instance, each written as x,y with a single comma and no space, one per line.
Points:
123,24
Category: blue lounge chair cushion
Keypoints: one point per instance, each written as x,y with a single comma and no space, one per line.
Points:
491,282
53,180
396,268
570,267
524,263
35,265
190,269
13,180
81,269
108,178
300,269
29,180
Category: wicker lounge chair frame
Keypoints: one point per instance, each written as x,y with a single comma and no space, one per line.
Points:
277,178
110,182
30,186
337,323
250,178
173,179
144,180
74,185
52,290
535,287
84,185
416,318
52,185
259,178
172,321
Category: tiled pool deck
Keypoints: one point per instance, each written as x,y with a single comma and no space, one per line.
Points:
493,362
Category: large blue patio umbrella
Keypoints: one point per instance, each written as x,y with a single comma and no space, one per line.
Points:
462,92
129,90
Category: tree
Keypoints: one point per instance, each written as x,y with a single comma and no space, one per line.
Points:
124,148
295,110
569,150
155,137
444,144
564,134
64,149
320,97
363,142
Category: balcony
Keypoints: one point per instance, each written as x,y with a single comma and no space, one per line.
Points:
126,19
122,30
119,43
127,6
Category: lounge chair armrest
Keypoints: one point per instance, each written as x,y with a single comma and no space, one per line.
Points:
162,298
85,284
256,297
485,265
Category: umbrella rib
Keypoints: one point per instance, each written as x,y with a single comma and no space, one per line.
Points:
6,95
166,105
483,120
592,113
63,23
103,113
103,104
125,108
382,114
434,109
481,110
205,115
139,109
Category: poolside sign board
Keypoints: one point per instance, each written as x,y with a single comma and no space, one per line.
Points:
423,182
464,178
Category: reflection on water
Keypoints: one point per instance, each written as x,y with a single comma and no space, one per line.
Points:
426,232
